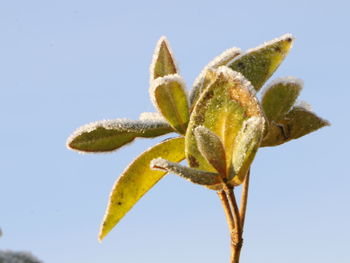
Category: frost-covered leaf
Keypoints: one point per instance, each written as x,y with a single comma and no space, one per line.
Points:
211,147
109,135
170,98
222,108
17,257
258,64
137,179
190,174
245,147
297,123
163,62
280,96
205,77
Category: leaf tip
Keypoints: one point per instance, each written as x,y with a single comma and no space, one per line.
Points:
162,51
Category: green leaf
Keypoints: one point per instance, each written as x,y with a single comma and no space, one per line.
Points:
205,77
222,108
297,123
279,97
109,135
163,61
170,98
211,147
190,174
258,64
245,147
137,179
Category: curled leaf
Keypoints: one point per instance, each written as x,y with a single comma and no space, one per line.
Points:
280,96
190,174
258,64
137,179
205,77
246,145
222,108
211,147
170,98
298,122
109,135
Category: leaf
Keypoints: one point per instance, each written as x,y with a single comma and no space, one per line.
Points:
245,147
297,123
204,78
222,108
137,179
190,174
258,64
170,98
280,96
163,62
211,147
109,135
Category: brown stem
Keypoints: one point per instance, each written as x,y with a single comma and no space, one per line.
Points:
233,203
229,218
244,199
236,235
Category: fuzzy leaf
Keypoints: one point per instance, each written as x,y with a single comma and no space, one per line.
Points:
211,147
205,77
222,108
163,62
109,135
8,256
190,174
258,64
137,179
170,98
245,147
297,123
280,96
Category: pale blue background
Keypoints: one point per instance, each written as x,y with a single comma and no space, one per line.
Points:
66,63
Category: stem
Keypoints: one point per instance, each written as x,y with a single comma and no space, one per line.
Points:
229,218
244,199
233,203
235,217
236,234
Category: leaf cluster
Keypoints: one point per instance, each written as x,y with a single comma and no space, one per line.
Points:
220,125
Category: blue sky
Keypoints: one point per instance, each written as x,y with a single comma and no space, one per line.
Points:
66,63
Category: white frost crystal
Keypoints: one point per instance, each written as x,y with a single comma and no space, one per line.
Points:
190,174
305,105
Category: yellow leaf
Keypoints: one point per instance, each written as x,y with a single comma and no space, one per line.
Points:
163,61
297,123
205,77
258,64
170,98
137,179
109,135
222,108
280,96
